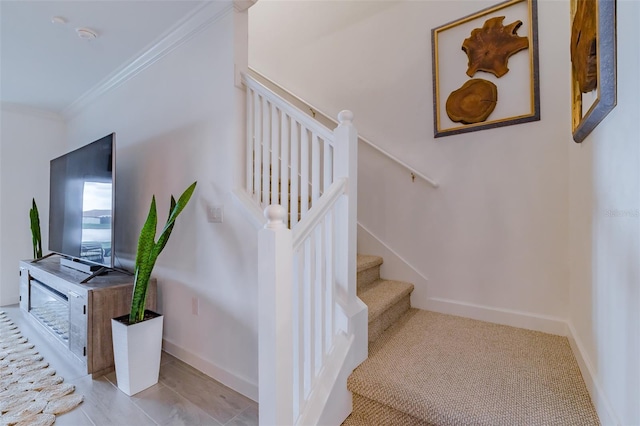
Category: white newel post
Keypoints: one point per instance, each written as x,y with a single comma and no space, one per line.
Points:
345,165
275,316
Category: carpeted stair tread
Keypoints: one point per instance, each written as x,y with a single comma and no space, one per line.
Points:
355,419
365,261
447,370
382,295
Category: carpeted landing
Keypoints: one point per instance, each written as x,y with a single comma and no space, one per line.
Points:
434,369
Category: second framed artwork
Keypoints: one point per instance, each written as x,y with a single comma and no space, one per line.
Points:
485,69
593,64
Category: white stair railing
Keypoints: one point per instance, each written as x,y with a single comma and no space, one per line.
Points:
299,316
313,328
290,156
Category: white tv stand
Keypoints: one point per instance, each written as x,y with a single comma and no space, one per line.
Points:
74,315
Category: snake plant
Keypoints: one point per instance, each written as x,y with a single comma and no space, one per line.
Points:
35,230
149,249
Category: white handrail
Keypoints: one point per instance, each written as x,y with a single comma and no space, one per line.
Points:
291,110
413,171
314,112
319,211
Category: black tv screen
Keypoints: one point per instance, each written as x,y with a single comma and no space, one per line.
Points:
81,203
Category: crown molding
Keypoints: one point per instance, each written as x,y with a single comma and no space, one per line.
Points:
31,111
192,24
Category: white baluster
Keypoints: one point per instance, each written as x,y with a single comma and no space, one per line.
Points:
315,168
320,292
327,161
250,142
285,155
275,313
275,156
257,149
330,275
308,329
304,170
301,331
266,152
295,171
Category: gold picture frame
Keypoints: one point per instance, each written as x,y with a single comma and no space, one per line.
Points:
590,108
516,93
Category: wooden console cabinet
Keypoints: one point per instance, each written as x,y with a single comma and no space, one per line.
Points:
85,337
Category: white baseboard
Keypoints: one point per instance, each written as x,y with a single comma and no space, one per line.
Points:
530,321
239,384
397,267
10,300
598,397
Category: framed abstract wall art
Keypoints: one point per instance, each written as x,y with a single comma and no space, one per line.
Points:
485,69
593,64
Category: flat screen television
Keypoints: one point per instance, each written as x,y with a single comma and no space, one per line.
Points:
81,203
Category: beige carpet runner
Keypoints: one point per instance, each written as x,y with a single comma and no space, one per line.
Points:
30,391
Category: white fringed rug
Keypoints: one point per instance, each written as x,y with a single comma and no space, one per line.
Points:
30,391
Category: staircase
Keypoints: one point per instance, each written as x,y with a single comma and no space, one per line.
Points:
427,368
387,301
340,345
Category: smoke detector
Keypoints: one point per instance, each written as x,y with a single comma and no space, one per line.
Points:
86,33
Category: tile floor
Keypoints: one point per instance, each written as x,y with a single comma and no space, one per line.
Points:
183,396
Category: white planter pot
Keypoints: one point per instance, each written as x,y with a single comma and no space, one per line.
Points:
136,352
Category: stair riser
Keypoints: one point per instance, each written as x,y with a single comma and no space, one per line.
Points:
378,325
373,413
368,276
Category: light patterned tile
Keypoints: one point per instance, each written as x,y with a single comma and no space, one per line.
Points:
217,400
75,417
166,357
167,407
106,405
249,417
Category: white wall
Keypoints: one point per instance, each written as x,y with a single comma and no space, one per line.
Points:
175,123
527,227
493,239
29,139
605,240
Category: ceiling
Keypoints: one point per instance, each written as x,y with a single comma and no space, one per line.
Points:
46,66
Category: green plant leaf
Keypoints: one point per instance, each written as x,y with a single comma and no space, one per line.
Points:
168,228
180,204
149,250
35,230
38,235
142,270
